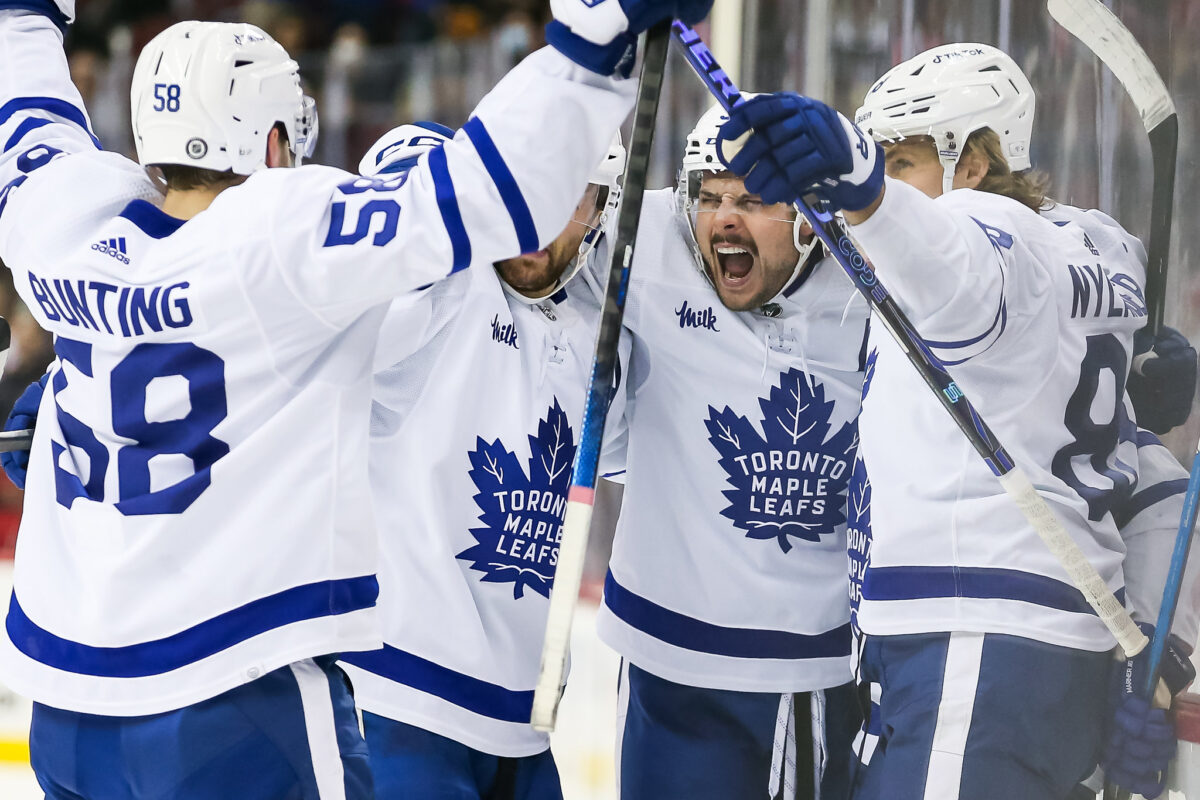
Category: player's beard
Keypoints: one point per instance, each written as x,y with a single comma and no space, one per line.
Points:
534,274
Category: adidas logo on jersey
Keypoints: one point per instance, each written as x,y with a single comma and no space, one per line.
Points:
112,247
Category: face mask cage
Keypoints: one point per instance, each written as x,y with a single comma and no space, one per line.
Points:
306,127
596,220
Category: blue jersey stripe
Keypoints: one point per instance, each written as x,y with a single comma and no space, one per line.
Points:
52,105
683,631
982,583
30,124
1144,499
151,219
1000,319
311,601
447,200
481,697
46,8
1145,437
506,184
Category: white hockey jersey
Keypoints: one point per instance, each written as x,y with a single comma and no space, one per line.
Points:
197,509
1035,322
473,435
729,566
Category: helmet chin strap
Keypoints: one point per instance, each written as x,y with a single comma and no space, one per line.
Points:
805,249
948,155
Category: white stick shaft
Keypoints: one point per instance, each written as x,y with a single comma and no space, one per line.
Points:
568,576
1079,569
1096,26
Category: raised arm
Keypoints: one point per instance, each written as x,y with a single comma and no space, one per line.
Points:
41,113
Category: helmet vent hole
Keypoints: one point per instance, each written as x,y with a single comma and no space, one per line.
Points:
917,71
241,62
992,68
920,110
231,82
158,64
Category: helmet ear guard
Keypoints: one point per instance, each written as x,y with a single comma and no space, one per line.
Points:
948,93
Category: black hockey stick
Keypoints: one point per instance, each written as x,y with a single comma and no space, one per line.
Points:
573,547
1097,27
1012,478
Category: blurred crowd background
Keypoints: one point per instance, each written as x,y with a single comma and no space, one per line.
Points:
373,64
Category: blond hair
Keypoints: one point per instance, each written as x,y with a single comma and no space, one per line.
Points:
1028,187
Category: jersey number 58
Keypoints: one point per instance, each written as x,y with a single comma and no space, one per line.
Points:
189,436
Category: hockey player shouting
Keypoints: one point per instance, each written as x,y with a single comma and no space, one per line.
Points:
478,393
726,595
197,534
992,667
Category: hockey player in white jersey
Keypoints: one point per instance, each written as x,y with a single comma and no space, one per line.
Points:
197,534
726,594
479,387
973,629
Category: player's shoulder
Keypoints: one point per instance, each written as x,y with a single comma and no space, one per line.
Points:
1101,230
665,250
826,289
304,184
65,200
989,208
85,180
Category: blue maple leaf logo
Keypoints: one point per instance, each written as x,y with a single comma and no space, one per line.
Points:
789,481
858,532
522,511
869,371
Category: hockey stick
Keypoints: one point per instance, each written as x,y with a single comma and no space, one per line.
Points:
16,440
1012,478
1097,27
11,440
568,573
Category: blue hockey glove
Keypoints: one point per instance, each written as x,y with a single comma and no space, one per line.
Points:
1141,738
23,416
1162,382
797,145
601,35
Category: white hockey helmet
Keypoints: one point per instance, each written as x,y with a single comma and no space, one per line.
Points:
399,149
949,92
700,156
606,175
206,94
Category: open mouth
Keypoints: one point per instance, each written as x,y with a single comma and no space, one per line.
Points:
734,263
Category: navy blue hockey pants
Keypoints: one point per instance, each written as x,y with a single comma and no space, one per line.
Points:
979,717
680,741
290,735
411,762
